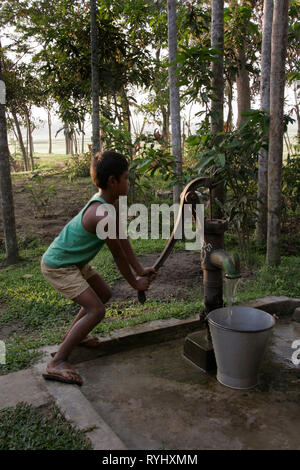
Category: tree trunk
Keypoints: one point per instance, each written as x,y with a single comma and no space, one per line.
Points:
242,78
277,82
75,144
125,110
95,78
71,144
20,138
27,140
127,125
126,117
230,114
174,97
217,83
164,108
6,193
31,140
243,86
66,140
29,134
74,141
69,139
165,111
50,131
82,138
262,194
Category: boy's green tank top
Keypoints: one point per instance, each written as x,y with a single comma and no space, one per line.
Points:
74,245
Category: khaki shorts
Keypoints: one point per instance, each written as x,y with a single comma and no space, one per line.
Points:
71,281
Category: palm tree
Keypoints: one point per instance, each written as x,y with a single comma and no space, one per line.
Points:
174,96
217,82
262,195
277,82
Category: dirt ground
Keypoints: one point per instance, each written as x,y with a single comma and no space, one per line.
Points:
181,272
65,203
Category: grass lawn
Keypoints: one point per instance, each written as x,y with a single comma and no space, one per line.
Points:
40,315
26,428
33,314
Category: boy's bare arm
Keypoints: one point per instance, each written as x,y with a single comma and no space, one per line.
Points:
131,257
128,250
124,267
89,221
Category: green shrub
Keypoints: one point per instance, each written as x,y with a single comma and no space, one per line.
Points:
40,194
78,166
291,188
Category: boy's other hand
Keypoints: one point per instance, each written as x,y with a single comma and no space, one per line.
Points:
142,283
150,273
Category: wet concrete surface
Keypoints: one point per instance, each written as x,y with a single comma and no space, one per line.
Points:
153,398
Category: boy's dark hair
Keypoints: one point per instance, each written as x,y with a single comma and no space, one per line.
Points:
104,165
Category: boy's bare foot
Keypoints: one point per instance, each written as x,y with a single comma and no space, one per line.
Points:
62,372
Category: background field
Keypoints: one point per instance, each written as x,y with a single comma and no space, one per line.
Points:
58,146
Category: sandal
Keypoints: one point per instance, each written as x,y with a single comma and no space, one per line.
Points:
60,377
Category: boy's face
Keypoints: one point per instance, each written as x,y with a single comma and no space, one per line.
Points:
123,183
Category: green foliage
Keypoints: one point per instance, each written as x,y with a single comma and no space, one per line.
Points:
78,166
292,62
147,156
193,71
232,157
22,86
154,158
62,30
40,194
291,186
274,280
115,137
28,428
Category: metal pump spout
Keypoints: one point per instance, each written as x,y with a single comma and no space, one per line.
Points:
230,264
216,263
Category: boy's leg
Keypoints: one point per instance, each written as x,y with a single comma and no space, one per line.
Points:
103,291
95,311
101,288
80,314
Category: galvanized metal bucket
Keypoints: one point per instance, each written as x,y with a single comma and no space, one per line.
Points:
239,336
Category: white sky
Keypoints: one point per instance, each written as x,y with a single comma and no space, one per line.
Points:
40,114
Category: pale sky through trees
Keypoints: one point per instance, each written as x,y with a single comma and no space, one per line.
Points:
40,114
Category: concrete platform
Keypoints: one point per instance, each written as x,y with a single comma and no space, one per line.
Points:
140,393
24,385
154,399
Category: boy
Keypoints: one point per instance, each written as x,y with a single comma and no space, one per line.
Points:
65,263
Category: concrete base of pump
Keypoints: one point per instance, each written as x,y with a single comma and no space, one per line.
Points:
199,350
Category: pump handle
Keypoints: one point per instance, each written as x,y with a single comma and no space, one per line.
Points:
189,188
